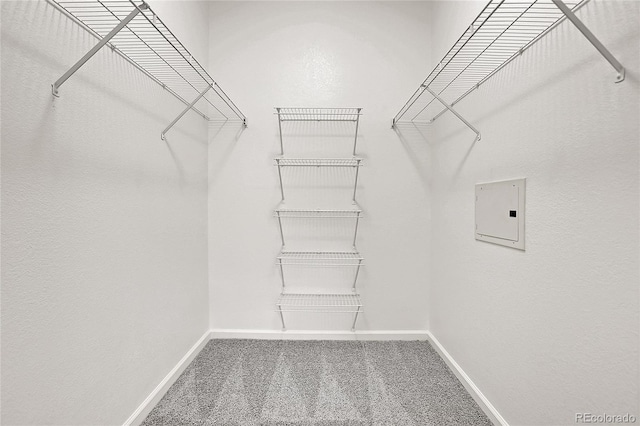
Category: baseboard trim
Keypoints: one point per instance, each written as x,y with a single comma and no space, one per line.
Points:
466,381
156,395
319,334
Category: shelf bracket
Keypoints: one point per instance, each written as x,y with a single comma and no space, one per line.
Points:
355,140
280,179
450,108
280,132
55,86
164,132
355,279
353,326
355,232
284,328
280,226
592,39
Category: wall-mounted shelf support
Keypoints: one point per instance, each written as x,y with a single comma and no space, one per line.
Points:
355,138
592,39
450,108
59,82
280,133
355,318
204,92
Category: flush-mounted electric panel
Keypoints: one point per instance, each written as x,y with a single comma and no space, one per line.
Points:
500,212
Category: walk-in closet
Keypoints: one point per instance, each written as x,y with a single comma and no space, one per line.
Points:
401,213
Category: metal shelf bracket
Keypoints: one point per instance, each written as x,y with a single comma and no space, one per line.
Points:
59,82
204,92
592,39
450,108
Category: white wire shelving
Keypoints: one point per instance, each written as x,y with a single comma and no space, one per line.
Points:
320,303
499,34
294,114
320,258
324,259
318,114
354,163
318,213
318,162
283,213
133,30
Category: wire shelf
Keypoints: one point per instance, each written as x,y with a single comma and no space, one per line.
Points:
321,303
320,258
317,213
319,162
499,34
318,114
147,43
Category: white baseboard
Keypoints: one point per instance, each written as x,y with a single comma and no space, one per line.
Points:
466,381
156,395
320,335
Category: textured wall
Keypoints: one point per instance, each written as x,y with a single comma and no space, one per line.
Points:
322,54
551,331
104,268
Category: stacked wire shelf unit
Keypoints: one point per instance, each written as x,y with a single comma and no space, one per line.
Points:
502,31
315,301
135,32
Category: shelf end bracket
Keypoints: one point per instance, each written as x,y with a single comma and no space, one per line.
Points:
592,39
450,108
59,82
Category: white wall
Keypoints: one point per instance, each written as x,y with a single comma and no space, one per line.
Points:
551,331
104,267
317,54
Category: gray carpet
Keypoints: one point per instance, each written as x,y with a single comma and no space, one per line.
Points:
283,382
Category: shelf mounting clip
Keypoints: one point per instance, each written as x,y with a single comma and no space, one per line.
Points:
59,82
592,39
450,108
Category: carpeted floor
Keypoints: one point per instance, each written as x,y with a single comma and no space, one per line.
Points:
284,382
